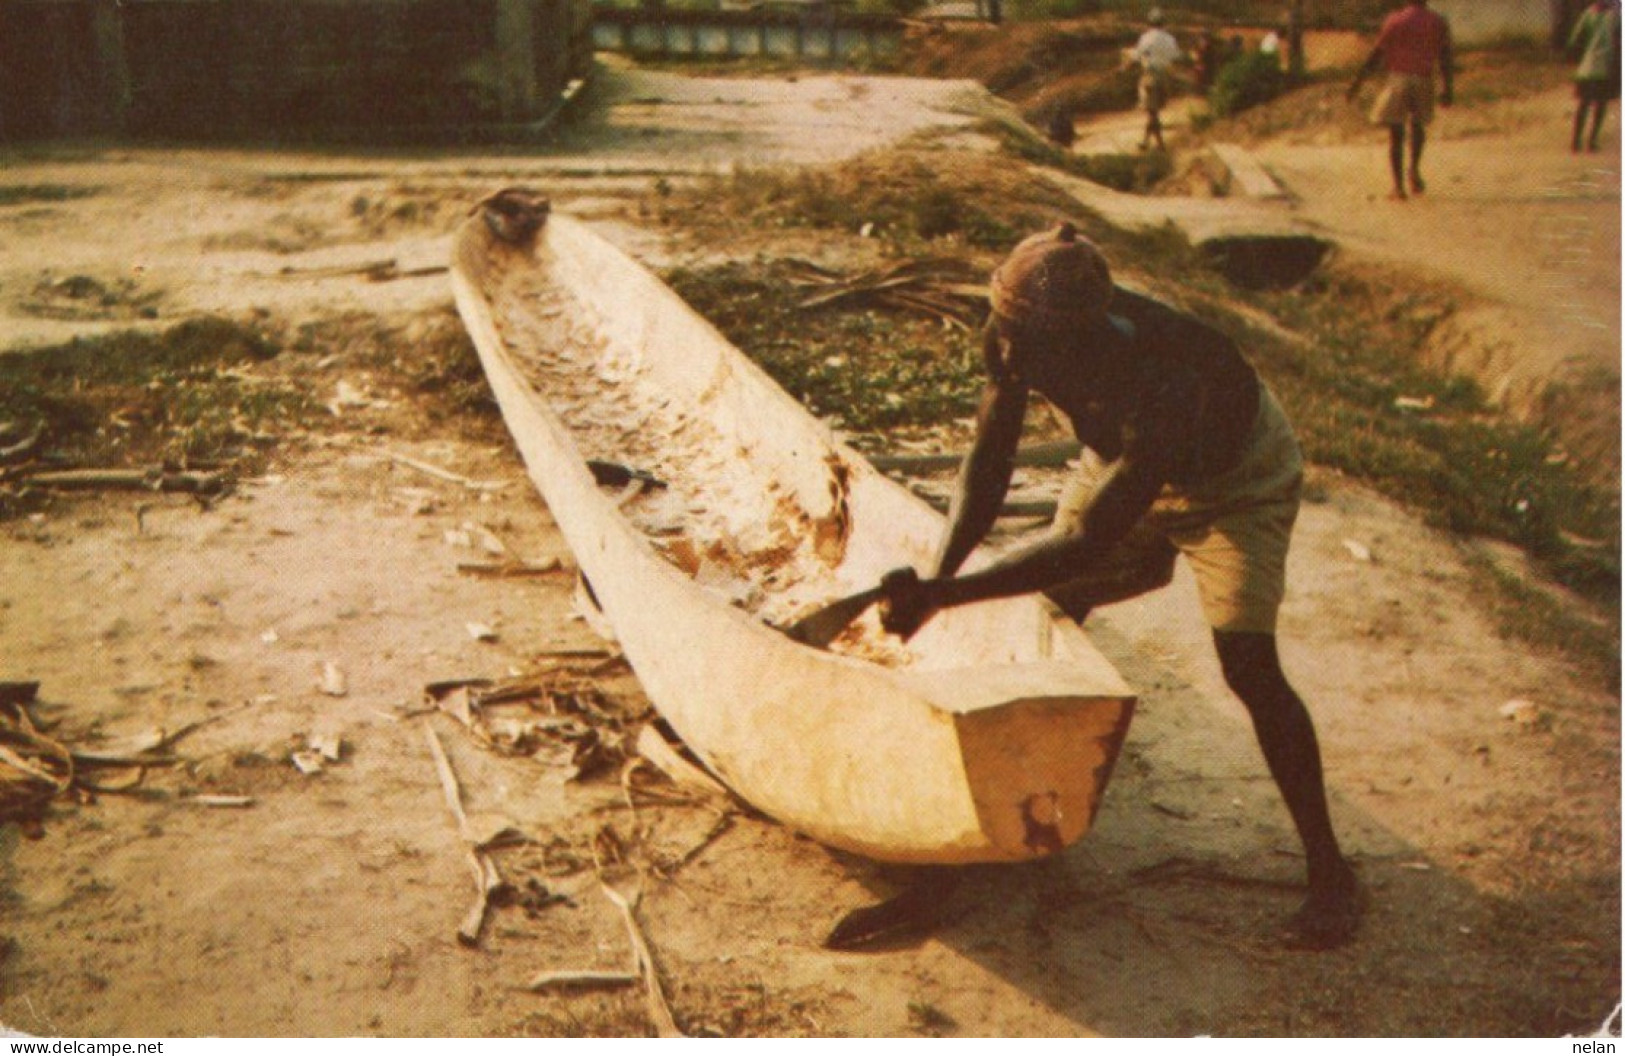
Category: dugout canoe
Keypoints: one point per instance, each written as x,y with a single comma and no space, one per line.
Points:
988,737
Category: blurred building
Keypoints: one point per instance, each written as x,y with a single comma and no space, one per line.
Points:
258,68
1493,21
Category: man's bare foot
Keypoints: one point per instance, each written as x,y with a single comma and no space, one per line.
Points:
912,914
1397,195
1417,186
1329,917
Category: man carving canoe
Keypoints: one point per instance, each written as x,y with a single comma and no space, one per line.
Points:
1184,452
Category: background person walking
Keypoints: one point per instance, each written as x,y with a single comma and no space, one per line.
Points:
1413,43
1595,40
1156,51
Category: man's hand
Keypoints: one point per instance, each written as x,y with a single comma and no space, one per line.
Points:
907,604
1447,98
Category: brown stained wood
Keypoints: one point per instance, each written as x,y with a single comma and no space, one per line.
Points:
510,569
880,748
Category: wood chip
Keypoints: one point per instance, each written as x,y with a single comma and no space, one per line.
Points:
1523,712
333,682
448,782
221,801
440,690
665,757
510,569
487,880
443,474
307,763
132,480
329,746
643,960
582,980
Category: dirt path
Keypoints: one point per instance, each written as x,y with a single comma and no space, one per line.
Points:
1491,847
1513,217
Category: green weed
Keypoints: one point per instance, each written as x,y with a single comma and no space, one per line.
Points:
868,369
1131,173
910,204
1244,82
1363,404
134,398
26,194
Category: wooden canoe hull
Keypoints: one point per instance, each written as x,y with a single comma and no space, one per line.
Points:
991,740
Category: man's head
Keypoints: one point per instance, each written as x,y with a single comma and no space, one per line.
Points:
1054,288
1154,17
1056,280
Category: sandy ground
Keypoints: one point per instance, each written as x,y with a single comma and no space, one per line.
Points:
328,907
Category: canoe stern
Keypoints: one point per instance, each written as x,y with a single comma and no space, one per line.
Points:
1037,769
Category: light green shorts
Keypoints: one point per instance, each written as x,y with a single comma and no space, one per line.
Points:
1234,530
1404,98
1154,89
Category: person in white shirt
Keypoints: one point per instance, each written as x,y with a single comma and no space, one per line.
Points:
1157,51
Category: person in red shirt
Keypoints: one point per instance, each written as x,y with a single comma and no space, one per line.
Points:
1413,43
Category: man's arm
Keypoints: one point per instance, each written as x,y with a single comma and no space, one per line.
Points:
1164,428
984,478
1372,61
1134,482
1120,503
1370,67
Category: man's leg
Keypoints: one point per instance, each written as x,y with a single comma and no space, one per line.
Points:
1419,138
1396,159
1599,108
1252,669
1580,111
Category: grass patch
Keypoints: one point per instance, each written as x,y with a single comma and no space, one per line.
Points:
136,398
909,203
1133,173
428,363
868,369
431,360
1353,393
28,194
1130,173
1529,615
1244,82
